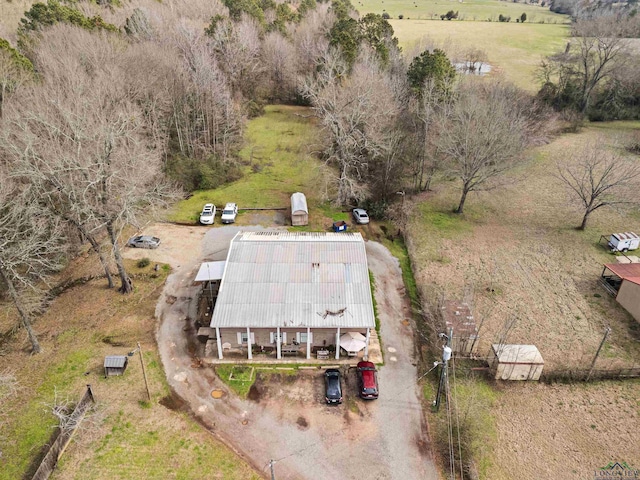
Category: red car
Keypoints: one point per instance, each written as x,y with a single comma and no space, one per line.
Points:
367,380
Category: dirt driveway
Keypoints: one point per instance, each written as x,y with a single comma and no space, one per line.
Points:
285,418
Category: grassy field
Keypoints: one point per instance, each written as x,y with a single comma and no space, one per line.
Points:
517,251
278,161
11,11
514,51
469,10
126,436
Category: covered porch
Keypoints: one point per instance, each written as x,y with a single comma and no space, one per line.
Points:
293,344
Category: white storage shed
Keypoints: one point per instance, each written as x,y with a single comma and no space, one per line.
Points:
299,210
515,362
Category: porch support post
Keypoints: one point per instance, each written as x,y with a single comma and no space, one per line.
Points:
338,344
278,344
249,352
366,344
308,343
219,340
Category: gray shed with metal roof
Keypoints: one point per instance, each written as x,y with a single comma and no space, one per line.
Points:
299,210
115,365
296,281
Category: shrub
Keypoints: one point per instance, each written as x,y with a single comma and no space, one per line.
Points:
376,209
195,174
386,15
523,18
43,15
400,17
144,262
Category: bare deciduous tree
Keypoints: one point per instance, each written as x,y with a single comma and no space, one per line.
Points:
359,114
599,178
596,50
12,75
30,248
481,134
278,57
80,136
237,49
425,108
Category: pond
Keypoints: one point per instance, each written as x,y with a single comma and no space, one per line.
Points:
473,68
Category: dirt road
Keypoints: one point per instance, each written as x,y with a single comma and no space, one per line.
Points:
286,419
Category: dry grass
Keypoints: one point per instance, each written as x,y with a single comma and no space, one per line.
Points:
519,251
565,431
129,438
11,11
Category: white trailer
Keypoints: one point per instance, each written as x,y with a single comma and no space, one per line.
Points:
623,242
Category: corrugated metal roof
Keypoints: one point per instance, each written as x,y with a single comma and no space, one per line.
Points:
210,271
517,354
295,279
299,203
625,236
115,361
626,271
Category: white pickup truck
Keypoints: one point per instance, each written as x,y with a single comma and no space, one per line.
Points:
229,213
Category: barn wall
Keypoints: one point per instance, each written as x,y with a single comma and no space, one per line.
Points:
629,297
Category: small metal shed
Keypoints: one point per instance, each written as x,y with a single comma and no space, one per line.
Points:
515,362
299,210
115,365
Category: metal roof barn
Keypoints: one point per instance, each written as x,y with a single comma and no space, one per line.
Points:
295,279
299,210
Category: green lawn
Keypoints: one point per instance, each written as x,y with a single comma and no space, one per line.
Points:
469,10
513,50
278,159
125,436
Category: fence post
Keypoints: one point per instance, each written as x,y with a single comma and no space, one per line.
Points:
607,331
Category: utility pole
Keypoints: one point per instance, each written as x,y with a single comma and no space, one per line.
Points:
273,475
446,356
607,331
144,372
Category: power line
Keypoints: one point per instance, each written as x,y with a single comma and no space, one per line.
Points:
452,460
457,410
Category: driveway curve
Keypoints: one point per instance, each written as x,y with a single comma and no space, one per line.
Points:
384,439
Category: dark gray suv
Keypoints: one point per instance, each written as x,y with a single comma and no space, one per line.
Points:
333,389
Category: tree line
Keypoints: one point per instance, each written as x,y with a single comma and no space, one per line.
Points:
113,111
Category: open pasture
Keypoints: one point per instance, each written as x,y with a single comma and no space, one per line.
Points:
470,10
513,50
518,250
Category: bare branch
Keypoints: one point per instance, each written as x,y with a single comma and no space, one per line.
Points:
598,177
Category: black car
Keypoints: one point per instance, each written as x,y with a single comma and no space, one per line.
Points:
333,389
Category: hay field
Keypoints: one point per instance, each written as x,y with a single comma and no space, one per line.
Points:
470,10
513,50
